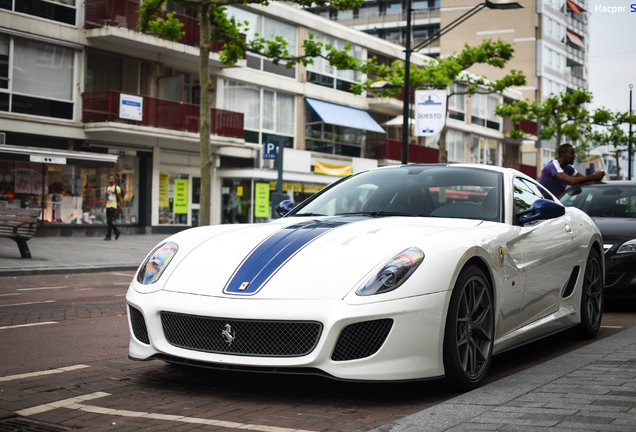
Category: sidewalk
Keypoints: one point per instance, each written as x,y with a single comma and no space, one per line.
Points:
77,254
590,389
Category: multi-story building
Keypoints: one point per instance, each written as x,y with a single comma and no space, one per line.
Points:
84,94
550,39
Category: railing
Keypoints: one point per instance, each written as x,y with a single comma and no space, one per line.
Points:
103,106
123,13
392,149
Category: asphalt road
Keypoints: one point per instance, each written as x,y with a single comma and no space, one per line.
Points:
49,323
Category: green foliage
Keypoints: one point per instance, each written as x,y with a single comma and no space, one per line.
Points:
444,72
230,33
610,131
560,116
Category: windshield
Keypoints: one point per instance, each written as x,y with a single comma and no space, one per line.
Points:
416,190
603,201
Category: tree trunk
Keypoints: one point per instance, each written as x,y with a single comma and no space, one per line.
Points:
204,114
441,145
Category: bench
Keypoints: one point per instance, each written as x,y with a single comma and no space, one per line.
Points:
19,224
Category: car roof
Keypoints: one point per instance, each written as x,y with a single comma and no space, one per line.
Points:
611,183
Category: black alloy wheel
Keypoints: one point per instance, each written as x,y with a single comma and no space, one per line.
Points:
469,333
592,296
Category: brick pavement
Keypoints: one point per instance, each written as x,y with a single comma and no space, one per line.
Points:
590,389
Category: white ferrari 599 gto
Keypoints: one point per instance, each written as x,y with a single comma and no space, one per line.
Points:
397,273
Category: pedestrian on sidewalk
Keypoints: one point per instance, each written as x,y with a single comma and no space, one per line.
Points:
559,173
112,204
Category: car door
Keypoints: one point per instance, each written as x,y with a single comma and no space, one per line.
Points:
549,251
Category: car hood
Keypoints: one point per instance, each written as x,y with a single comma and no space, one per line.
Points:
299,258
616,229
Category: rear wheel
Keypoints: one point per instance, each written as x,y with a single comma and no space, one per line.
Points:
469,332
592,296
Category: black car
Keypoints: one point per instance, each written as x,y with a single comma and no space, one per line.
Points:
612,206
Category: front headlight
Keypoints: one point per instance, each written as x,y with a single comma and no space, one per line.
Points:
627,247
393,274
153,267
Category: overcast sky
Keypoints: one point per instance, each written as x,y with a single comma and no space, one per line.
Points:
612,62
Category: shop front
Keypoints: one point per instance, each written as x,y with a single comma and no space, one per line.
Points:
68,186
252,200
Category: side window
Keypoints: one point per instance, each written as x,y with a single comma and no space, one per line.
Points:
525,193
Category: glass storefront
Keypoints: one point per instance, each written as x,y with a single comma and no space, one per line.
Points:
251,200
72,193
179,197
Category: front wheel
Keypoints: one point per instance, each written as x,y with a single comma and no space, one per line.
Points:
469,332
592,296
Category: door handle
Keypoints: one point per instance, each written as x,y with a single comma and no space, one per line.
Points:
568,228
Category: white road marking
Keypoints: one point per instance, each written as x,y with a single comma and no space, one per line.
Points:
29,303
28,325
75,403
41,288
612,327
40,373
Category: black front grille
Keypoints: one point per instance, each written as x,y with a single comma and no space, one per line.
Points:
241,337
138,325
361,339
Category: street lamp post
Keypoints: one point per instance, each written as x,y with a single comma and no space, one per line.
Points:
629,143
489,4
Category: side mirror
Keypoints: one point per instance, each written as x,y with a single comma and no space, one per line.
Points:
283,208
541,210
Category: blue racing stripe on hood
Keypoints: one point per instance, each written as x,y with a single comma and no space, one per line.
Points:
269,256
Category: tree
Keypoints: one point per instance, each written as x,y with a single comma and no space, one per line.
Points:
560,116
214,23
444,72
609,131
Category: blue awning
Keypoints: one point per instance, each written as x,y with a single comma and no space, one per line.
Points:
344,116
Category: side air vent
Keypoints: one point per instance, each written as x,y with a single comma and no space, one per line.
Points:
138,325
569,287
361,340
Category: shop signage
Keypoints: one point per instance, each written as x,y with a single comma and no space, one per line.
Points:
261,200
330,169
164,188
48,159
269,150
180,198
430,112
131,107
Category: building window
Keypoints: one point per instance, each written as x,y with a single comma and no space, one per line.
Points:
260,26
322,73
63,11
73,193
331,139
551,87
41,79
394,8
482,110
174,198
267,113
108,72
485,151
456,146
457,104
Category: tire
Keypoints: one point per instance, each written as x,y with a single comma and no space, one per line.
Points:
469,331
592,300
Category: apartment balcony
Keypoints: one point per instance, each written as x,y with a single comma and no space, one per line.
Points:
115,21
391,20
392,149
104,106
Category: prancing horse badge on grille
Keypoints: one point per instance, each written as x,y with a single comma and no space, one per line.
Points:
228,334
